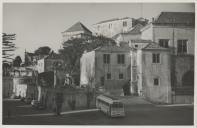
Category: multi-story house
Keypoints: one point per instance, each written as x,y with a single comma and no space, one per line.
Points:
78,30
133,34
150,71
159,66
110,28
176,30
106,67
145,69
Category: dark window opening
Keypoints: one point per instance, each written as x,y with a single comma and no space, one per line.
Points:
124,23
121,59
121,76
108,76
182,46
106,58
156,58
164,43
156,81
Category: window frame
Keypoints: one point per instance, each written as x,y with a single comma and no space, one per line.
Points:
124,23
106,58
158,81
162,43
158,61
136,45
108,73
182,46
122,76
120,58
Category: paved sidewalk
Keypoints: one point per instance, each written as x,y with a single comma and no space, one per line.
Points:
174,105
62,113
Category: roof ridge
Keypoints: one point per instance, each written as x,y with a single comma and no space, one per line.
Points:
154,43
112,19
78,26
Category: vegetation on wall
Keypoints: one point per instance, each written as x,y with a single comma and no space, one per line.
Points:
73,50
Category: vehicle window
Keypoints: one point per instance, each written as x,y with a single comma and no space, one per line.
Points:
117,105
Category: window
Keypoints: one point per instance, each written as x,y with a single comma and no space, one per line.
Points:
98,27
121,76
156,81
121,59
156,58
106,58
110,26
124,23
102,81
164,43
136,46
108,76
182,46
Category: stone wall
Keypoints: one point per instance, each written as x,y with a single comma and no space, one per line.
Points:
7,86
79,95
183,64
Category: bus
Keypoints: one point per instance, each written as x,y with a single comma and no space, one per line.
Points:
111,106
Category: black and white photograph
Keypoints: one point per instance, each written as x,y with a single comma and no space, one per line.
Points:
98,64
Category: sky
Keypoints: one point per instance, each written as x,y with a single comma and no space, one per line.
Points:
41,24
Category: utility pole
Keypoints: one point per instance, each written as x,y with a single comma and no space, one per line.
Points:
173,43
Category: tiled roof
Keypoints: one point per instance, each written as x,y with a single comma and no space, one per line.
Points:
116,36
78,27
183,18
141,41
113,48
136,29
114,19
154,46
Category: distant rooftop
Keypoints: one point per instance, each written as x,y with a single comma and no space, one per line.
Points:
186,18
141,41
114,19
154,46
136,29
113,48
78,27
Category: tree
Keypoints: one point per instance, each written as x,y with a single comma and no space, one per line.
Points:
6,68
45,50
17,61
8,47
73,50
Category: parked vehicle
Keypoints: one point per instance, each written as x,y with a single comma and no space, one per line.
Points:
110,106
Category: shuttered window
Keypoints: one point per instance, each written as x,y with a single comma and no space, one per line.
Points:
182,46
121,58
164,43
156,58
106,58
